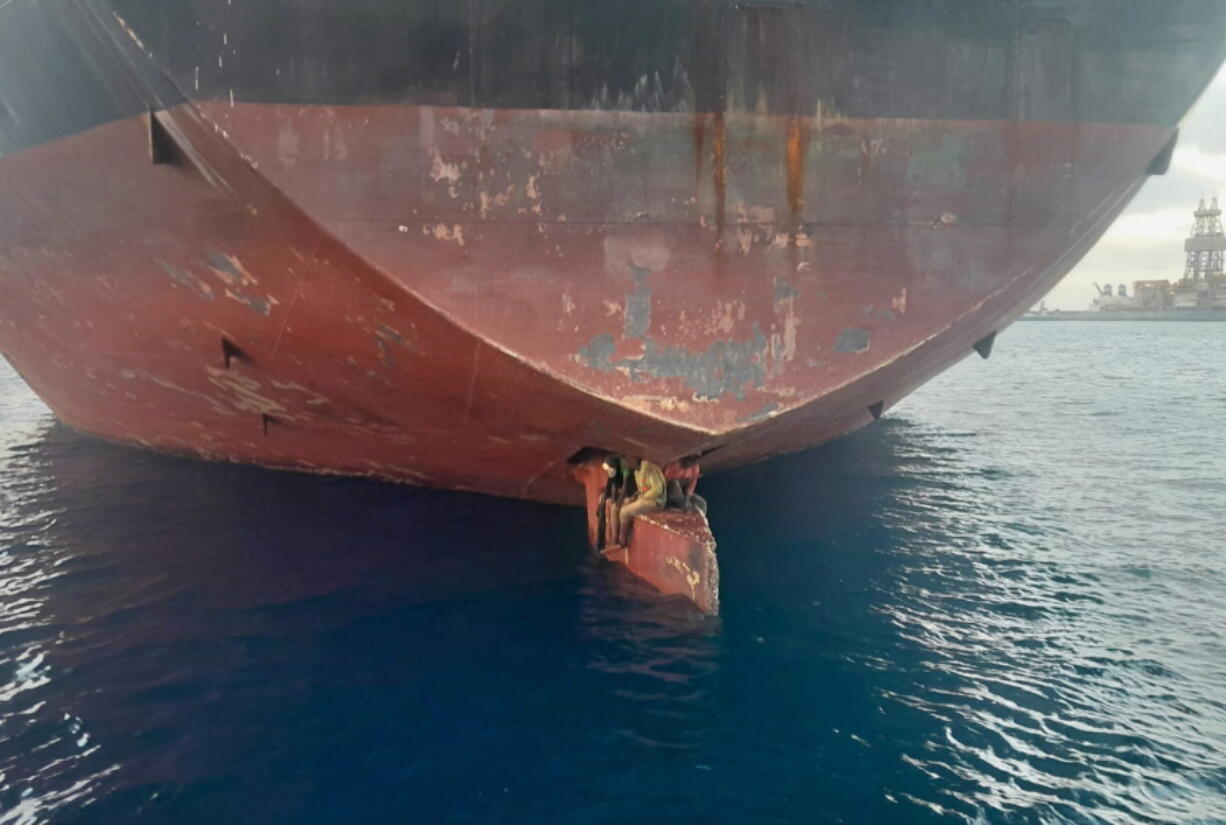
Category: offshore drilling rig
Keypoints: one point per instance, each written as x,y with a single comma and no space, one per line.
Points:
1203,286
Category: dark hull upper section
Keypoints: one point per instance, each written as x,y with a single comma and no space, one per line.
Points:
964,59
1036,60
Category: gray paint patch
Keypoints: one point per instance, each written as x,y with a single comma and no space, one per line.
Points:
598,353
784,290
233,278
638,304
260,305
939,167
385,339
852,339
219,261
189,281
724,367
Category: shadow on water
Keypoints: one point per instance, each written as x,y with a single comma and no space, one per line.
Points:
222,641
233,641
243,536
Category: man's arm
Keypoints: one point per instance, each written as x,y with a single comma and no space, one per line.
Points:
655,481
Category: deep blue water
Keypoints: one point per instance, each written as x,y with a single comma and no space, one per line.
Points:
1005,602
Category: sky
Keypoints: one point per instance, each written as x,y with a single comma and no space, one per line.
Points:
1146,241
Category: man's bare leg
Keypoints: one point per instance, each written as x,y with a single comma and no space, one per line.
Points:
627,514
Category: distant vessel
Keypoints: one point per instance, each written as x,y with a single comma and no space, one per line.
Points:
1199,296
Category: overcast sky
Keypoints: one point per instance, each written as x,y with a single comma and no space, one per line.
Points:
1147,240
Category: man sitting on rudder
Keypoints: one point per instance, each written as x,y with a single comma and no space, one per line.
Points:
649,480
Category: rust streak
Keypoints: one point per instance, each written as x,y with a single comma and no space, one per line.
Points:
720,176
797,142
700,142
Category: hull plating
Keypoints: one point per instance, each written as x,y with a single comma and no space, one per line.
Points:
468,295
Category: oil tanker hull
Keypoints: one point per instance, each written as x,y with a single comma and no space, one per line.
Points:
460,267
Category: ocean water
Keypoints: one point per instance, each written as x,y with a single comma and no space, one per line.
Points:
1005,602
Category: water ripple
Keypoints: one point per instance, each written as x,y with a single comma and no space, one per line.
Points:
1001,604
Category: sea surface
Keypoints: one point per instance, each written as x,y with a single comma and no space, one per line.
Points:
1004,602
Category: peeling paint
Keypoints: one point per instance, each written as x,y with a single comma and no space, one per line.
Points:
213,403
188,280
288,142
313,398
799,239
725,367
488,201
663,402
245,395
261,305
123,24
899,302
638,304
766,411
385,339
231,272
852,339
941,168
726,315
784,291
443,232
440,170
744,240
598,352
783,347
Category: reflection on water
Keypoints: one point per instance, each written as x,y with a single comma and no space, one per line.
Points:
961,614
660,656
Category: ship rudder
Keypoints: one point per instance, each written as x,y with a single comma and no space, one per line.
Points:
672,549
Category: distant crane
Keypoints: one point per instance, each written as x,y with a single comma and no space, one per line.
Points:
1206,247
